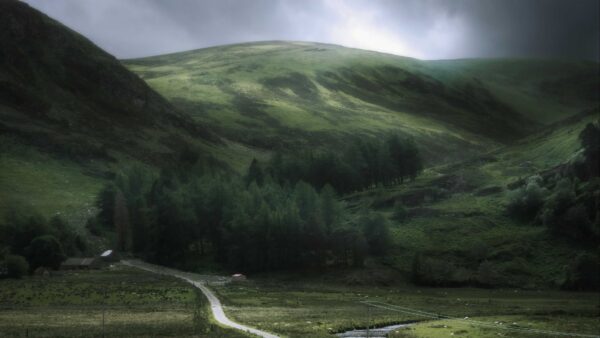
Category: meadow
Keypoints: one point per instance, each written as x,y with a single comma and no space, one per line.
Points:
131,302
314,308
141,304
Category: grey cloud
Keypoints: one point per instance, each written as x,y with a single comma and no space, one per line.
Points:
429,29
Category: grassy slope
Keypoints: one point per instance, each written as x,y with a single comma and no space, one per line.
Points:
71,115
457,212
290,93
50,186
297,94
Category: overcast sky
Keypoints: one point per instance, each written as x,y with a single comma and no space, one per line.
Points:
427,29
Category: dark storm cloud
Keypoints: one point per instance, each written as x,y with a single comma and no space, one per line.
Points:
430,29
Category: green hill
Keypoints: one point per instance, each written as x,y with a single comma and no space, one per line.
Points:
296,94
457,214
71,114
484,126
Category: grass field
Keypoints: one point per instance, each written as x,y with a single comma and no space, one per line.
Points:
301,308
502,326
50,186
140,304
134,303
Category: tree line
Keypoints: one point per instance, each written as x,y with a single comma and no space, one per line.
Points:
29,241
180,219
362,164
281,214
567,203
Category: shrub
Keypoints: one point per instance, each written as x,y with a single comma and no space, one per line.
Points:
21,226
437,272
400,212
487,274
566,214
525,203
377,233
16,266
590,140
45,251
94,227
584,274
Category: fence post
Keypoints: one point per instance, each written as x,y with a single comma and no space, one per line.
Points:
103,311
368,321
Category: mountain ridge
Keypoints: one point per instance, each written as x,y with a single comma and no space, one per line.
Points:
319,88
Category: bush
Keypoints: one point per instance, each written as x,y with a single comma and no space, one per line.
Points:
570,215
487,274
377,233
400,212
525,203
94,227
45,251
16,266
437,272
584,274
20,227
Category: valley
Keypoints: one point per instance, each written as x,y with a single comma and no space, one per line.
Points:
355,189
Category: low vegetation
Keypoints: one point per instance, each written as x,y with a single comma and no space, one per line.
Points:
129,302
43,243
317,307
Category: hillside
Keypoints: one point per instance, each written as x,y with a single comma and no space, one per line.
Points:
71,114
73,117
63,92
296,94
457,214
483,126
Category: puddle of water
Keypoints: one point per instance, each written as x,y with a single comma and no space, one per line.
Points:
379,332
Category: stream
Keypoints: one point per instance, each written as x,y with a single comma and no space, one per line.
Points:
378,332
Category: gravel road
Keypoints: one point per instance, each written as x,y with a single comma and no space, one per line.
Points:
201,282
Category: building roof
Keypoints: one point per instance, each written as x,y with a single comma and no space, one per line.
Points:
106,253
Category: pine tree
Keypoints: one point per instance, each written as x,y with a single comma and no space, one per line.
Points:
121,222
330,210
255,173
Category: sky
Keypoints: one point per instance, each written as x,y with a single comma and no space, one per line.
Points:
425,29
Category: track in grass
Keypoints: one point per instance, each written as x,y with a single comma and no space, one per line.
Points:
215,304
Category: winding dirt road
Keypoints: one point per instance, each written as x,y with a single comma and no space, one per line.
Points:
200,282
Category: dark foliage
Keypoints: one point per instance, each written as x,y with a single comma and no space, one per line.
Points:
377,233
590,140
243,225
525,203
363,164
16,266
45,251
584,273
43,243
568,203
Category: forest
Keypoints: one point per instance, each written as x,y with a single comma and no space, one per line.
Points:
284,214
